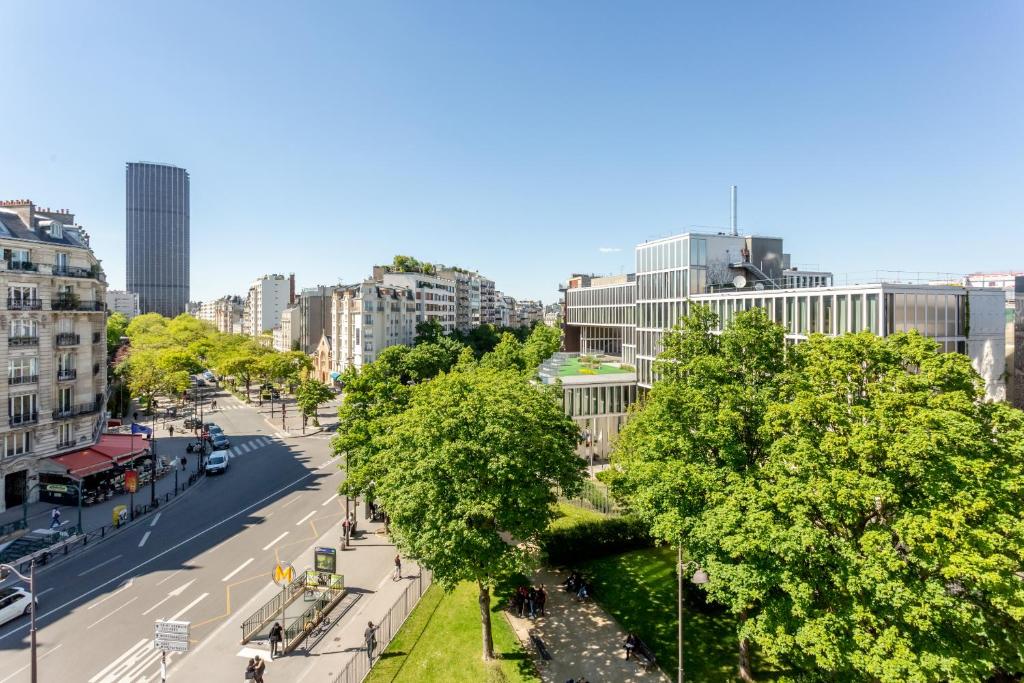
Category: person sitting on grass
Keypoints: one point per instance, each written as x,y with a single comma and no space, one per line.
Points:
572,584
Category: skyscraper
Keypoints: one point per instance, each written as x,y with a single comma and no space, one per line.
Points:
157,220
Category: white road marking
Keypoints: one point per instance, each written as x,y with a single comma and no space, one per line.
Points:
145,537
329,462
250,652
189,606
173,594
296,499
169,577
155,520
156,557
272,543
101,564
113,612
235,452
49,651
301,521
328,501
109,668
126,586
245,447
42,593
238,569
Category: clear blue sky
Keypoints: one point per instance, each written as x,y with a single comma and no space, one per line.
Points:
521,138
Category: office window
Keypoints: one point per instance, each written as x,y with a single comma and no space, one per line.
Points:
872,313
826,315
842,314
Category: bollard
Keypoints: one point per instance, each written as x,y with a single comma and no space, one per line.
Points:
103,531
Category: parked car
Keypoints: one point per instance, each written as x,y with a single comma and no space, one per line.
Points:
211,426
219,441
192,423
217,463
14,602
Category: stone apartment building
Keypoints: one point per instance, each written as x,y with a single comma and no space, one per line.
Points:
55,346
366,319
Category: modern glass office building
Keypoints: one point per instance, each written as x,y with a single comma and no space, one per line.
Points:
157,221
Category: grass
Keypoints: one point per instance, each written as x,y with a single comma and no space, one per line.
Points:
573,367
440,642
639,589
570,515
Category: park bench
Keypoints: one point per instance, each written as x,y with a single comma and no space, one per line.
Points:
541,648
644,655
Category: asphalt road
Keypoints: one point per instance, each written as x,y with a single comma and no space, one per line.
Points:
201,559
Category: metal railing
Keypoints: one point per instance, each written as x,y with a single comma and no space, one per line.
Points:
23,341
24,304
67,339
24,418
74,271
313,615
67,374
22,265
22,379
11,527
60,413
359,666
592,496
264,614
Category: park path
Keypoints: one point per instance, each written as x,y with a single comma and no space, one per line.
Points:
582,638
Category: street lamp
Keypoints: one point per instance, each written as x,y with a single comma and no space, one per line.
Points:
700,577
31,579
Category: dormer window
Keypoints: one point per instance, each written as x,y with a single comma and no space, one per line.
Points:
56,230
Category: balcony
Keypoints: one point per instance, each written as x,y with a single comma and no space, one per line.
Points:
75,271
24,304
67,374
95,369
73,303
87,408
20,419
23,341
67,339
22,379
27,266
64,412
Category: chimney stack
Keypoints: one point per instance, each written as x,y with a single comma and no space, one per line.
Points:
734,229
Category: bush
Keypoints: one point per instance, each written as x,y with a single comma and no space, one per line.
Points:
588,371
588,539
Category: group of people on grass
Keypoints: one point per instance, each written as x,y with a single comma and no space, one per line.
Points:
529,601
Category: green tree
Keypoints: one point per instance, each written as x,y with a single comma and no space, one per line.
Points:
310,396
507,355
472,461
428,332
424,361
543,341
117,324
853,500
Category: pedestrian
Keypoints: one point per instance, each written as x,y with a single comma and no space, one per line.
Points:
398,568
259,669
250,670
370,636
542,599
345,531
275,639
184,462
170,430
213,405
55,518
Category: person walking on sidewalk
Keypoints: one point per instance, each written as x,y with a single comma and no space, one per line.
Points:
260,669
370,636
398,568
275,639
170,430
250,670
55,518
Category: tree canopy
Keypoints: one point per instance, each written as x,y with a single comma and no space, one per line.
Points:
854,500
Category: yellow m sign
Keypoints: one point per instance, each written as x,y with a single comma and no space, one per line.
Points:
283,573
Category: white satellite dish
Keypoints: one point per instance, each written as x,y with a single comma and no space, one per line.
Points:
739,282
759,286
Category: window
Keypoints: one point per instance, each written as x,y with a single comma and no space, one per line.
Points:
20,257
65,434
60,260
17,443
21,370
24,327
699,252
872,310
22,408
64,399
857,308
21,293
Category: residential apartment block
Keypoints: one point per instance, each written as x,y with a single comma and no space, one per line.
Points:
124,302
225,313
435,296
314,316
286,334
366,319
55,349
265,301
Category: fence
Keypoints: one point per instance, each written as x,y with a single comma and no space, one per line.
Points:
313,615
592,496
264,614
359,666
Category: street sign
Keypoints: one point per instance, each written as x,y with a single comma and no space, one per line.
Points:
57,488
325,559
283,574
171,636
170,645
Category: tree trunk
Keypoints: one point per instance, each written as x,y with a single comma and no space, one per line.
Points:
744,656
485,621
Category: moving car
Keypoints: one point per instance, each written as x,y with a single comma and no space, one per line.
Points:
219,441
217,463
14,602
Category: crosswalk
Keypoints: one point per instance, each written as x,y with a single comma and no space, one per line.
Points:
141,662
250,446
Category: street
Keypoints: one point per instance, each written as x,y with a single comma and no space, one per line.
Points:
201,558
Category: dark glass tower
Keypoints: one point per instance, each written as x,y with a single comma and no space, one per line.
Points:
158,236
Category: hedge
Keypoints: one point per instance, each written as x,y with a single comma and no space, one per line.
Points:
587,540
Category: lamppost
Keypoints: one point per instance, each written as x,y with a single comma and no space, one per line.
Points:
31,579
700,577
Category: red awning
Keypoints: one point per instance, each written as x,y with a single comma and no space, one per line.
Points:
110,449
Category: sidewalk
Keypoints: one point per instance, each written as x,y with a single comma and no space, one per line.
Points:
582,639
327,415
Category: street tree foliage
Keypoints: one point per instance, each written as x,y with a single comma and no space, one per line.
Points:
854,500
408,264
117,324
471,462
310,395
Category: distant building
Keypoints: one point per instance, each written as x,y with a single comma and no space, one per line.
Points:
434,295
266,300
286,334
124,302
323,367
367,318
314,317
157,221
225,313
55,351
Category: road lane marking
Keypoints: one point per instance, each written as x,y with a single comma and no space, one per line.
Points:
169,577
173,594
130,653
145,537
300,522
49,650
245,447
42,593
156,557
189,606
238,569
126,586
155,520
329,462
113,612
101,564
271,544
328,501
296,499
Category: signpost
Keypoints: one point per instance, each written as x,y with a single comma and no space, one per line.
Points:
283,575
57,488
170,636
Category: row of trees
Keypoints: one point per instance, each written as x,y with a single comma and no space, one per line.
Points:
462,452
163,353
854,500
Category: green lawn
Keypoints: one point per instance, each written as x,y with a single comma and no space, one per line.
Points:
573,367
440,642
639,589
570,515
